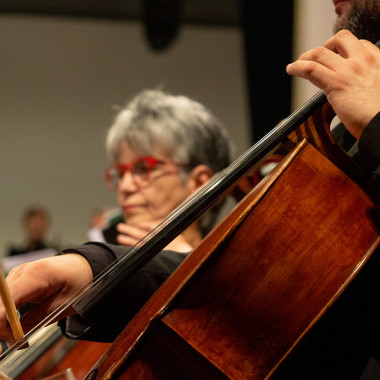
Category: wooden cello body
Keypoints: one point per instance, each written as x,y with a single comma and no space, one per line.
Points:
247,298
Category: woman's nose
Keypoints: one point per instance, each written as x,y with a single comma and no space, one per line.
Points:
127,183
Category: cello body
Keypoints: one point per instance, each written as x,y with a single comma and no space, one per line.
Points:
244,302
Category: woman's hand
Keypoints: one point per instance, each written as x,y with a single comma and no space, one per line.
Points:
130,235
45,284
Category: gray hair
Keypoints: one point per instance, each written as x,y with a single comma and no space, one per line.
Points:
156,122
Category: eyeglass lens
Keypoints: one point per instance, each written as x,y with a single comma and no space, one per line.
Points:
139,169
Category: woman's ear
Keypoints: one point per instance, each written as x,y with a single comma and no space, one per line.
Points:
200,175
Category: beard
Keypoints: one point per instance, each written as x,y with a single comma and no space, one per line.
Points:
363,20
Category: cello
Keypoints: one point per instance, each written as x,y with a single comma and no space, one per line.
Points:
245,300
229,309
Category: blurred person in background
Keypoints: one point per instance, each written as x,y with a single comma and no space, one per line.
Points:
36,223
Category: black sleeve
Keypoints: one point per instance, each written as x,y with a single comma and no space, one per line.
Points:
99,255
366,152
369,156
126,300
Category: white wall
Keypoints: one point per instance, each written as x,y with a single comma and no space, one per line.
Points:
60,79
314,20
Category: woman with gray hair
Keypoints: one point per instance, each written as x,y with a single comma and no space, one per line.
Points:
162,148
178,133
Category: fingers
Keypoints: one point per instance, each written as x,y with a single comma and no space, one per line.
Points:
30,282
45,284
130,235
322,65
24,286
345,44
348,71
324,57
313,71
46,311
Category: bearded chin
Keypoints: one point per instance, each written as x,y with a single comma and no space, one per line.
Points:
363,22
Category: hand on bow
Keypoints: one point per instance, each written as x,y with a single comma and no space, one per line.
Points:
44,284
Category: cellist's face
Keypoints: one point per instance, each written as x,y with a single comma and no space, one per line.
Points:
361,17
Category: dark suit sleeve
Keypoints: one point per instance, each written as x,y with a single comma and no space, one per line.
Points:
126,300
369,156
366,152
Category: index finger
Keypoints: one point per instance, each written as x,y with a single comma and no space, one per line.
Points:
345,44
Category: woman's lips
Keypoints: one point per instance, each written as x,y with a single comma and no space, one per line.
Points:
129,208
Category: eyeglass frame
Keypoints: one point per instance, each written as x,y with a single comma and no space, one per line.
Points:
124,168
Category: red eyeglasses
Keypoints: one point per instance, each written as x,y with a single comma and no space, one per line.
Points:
140,170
